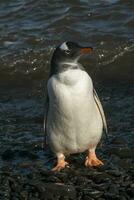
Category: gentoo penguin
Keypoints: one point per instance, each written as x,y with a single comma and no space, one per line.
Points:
74,118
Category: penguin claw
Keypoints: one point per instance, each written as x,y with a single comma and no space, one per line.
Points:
60,165
93,161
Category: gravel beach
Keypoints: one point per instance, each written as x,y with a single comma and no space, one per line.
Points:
26,174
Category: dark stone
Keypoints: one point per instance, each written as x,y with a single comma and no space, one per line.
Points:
111,196
121,152
24,173
93,193
8,154
114,189
125,153
130,192
28,154
115,173
86,197
101,178
119,141
49,190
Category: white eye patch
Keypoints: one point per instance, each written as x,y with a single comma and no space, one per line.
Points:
64,47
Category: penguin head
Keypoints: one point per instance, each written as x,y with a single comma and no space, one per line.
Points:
67,52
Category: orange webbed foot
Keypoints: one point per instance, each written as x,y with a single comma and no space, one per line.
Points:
60,165
92,160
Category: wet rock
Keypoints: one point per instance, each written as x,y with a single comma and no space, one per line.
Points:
82,181
86,197
113,189
93,193
39,184
4,187
121,152
8,154
119,141
26,165
111,196
130,192
125,153
101,178
6,170
115,173
24,175
28,154
50,190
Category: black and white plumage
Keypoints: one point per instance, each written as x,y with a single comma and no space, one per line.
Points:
74,119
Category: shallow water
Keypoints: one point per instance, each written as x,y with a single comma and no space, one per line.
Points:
29,32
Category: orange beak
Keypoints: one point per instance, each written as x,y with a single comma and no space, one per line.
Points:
86,50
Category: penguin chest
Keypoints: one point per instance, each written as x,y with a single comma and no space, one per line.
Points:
69,92
71,111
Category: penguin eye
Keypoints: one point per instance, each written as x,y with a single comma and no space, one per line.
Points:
67,51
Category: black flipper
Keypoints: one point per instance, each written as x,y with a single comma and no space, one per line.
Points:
45,120
98,103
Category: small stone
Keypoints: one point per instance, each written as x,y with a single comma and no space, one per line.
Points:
121,152
111,196
24,194
118,141
51,189
8,154
115,173
28,154
130,192
93,193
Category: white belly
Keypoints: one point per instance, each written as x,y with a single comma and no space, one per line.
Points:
74,122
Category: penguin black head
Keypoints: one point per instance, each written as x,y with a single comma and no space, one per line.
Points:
67,52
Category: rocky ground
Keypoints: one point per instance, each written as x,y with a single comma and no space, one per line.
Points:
31,178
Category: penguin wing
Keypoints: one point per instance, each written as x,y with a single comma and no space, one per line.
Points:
98,103
45,119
